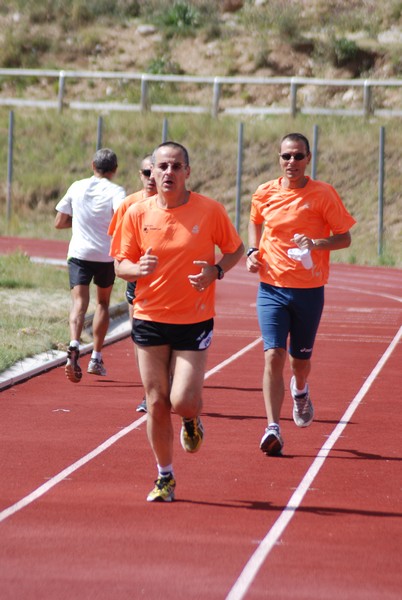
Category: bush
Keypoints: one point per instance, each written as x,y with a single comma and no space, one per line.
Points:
344,51
180,19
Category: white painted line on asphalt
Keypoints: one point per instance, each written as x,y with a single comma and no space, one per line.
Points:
40,491
247,576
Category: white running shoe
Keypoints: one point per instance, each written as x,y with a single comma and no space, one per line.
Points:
271,442
96,367
303,410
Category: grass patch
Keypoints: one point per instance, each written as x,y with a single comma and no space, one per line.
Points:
35,304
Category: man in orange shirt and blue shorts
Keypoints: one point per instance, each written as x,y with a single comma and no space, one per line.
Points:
148,190
295,223
168,246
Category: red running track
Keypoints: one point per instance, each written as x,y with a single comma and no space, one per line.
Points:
323,522
34,247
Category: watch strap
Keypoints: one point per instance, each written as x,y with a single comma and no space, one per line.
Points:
221,272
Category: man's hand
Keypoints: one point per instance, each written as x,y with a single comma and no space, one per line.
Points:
204,279
253,263
147,263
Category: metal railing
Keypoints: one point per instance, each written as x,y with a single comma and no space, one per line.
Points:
145,80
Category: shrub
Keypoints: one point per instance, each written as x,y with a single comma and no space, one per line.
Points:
344,51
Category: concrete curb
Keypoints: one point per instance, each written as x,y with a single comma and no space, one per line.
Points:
119,329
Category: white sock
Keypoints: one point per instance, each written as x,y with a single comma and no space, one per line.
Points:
75,343
163,471
300,392
274,425
97,355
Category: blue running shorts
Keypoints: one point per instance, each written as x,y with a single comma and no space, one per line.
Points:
293,312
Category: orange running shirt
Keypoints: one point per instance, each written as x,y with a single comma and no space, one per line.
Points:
177,236
315,211
117,219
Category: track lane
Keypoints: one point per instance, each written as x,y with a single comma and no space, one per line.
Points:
95,534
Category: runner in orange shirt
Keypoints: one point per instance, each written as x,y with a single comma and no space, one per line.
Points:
168,246
148,189
295,223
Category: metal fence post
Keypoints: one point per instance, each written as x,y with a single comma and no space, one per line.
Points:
367,98
164,130
99,133
293,97
239,176
216,96
61,91
10,163
314,157
381,192
144,93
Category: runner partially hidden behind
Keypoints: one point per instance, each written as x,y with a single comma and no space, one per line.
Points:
148,190
168,246
88,207
294,224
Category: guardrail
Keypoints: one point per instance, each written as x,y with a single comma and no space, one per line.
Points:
294,84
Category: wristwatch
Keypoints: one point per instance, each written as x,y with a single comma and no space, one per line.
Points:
221,272
250,251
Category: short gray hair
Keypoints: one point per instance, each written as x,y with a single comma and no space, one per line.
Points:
173,145
105,160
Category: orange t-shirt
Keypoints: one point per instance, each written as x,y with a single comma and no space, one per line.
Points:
315,210
115,224
177,236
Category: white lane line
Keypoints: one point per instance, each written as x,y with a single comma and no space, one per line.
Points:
370,292
232,358
254,564
40,491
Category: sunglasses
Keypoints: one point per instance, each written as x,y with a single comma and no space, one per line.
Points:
146,172
297,156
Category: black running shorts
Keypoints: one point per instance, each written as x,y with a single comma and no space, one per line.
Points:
194,336
81,272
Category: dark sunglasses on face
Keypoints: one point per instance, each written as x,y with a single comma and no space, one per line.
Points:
146,172
297,156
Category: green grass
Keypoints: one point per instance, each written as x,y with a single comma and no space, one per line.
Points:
35,303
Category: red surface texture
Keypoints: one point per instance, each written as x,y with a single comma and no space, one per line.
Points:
93,535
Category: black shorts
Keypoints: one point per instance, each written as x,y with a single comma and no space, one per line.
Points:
82,272
194,336
130,291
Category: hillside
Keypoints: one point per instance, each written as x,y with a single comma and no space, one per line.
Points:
311,38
